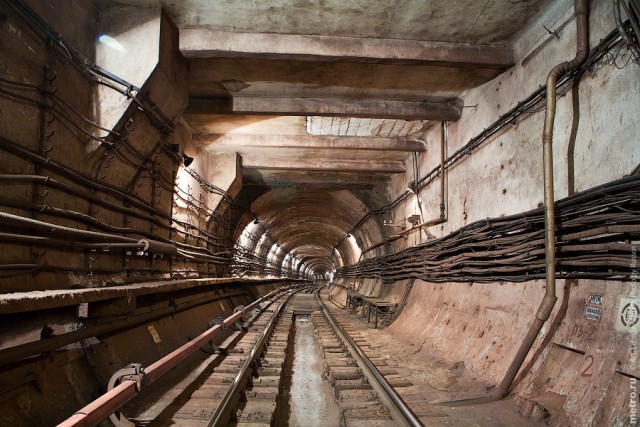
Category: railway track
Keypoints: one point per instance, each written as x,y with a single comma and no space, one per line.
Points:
246,378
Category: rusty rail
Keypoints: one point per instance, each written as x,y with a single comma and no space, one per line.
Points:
105,405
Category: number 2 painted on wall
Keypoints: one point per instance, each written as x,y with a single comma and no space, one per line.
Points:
587,370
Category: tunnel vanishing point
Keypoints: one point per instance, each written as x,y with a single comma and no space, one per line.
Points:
332,213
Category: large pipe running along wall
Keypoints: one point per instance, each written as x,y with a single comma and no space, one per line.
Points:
548,302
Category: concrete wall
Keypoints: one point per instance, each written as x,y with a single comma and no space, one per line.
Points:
24,59
582,376
48,388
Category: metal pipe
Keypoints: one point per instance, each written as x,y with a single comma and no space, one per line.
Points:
49,228
582,42
114,399
564,304
443,139
22,238
548,301
442,218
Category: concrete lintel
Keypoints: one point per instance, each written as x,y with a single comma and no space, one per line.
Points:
379,109
231,141
323,165
208,43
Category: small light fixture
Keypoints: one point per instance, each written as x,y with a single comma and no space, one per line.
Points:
414,220
187,160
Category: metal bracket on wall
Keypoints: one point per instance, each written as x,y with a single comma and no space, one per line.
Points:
133,372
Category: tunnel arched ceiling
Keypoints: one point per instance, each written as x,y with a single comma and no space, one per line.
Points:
309,223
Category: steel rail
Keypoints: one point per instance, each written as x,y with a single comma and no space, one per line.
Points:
399,410
100,409
221,416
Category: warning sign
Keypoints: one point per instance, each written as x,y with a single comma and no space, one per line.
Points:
628,317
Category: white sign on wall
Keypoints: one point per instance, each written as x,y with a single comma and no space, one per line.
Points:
628,316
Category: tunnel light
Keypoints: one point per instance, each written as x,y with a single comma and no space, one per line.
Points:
112,43
187,160
414,220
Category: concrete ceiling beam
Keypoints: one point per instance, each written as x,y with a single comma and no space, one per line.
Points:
208,43
233,142
323,165
378,109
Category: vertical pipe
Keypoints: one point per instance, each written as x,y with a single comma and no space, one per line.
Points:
564,305
442,218
443,130
548,301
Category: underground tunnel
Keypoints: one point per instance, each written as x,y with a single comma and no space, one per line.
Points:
335,213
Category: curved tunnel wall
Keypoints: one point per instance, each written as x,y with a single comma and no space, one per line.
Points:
308,224
580,366
476,324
